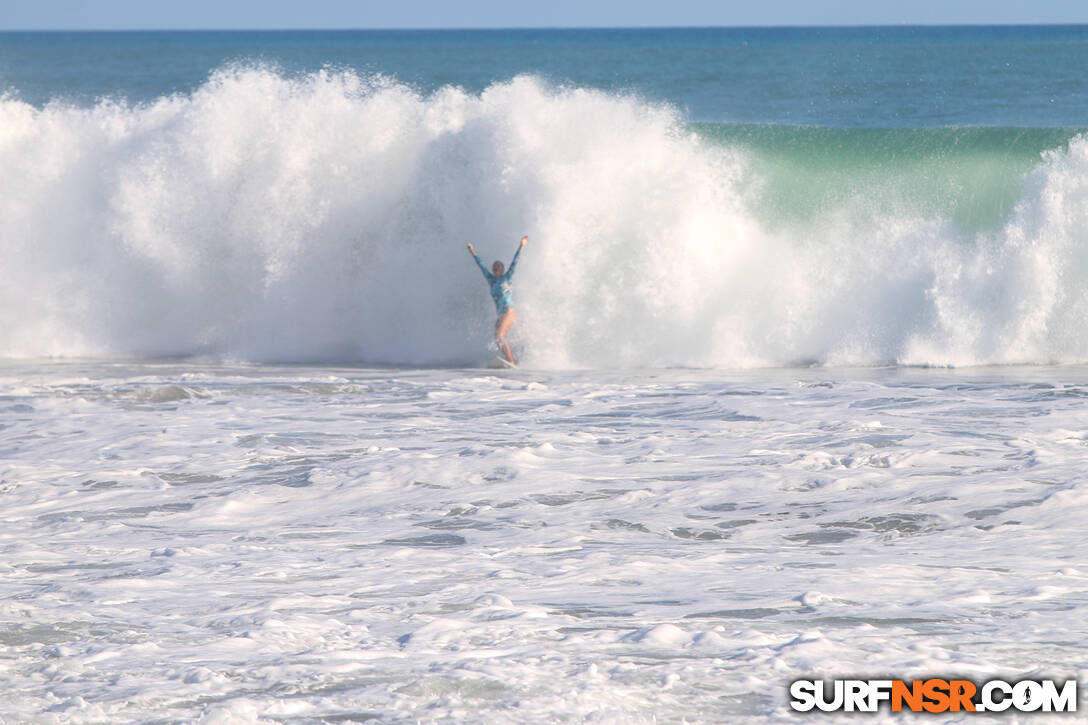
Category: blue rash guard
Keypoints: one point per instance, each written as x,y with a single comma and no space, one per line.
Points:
500,286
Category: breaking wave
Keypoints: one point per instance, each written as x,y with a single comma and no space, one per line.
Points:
323,217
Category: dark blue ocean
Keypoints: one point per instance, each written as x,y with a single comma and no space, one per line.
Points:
850,77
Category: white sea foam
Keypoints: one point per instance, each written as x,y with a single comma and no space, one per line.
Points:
324,216
306,544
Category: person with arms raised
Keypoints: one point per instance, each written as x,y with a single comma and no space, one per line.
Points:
498,278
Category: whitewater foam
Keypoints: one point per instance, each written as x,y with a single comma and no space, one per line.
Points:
184,542
323,217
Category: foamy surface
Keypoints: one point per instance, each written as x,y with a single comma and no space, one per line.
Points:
240,543
323,217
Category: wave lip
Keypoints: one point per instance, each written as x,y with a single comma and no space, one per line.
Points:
323,217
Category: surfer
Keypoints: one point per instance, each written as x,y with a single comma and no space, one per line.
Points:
499,280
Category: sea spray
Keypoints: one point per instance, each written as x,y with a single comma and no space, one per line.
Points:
323,217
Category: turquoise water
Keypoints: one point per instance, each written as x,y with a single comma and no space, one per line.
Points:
970,176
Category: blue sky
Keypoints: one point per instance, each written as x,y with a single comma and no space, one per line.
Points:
181,14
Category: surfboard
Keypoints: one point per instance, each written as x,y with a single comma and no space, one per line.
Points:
498,362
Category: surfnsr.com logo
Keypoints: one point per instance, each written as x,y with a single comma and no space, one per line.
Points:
933,695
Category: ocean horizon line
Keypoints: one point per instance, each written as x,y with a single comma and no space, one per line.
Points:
545,28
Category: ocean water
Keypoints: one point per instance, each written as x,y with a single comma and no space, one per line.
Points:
802,325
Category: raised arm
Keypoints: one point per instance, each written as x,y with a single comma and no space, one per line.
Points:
514,261
480,263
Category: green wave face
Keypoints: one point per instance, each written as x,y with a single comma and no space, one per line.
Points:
969,177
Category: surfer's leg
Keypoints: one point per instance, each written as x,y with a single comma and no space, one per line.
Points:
502,326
